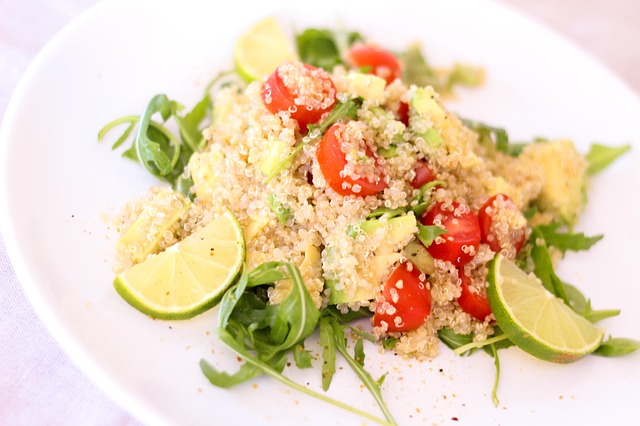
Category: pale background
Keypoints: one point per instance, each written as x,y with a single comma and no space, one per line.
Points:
39,385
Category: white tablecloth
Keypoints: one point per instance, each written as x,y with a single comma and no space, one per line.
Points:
39,385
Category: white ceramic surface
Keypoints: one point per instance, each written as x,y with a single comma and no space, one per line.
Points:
59,187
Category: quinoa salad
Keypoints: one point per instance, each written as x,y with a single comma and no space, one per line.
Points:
388,203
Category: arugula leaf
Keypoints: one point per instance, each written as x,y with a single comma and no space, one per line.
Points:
423,198
263,334
372,385
346,109
490,136
190,124
349,316
358,352
543,269
154,146
224,380
564,241
390,213
416,68
453,340
218,379
543,266
389,342
324,48
302,357
600,156
427,234
581,305
619,346
464,75
318,48
463,344
328,352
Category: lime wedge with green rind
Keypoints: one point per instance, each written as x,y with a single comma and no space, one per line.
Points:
535,320
260,49
189,277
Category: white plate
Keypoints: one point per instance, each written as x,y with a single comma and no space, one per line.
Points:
58,182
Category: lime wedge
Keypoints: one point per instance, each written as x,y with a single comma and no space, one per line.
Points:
535,320
260,49
189,277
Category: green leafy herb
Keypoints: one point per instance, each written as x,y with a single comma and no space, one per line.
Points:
499,337
613,347
263,334
417,70
453,340
564,241
600,157
340,342
463,344
427,234
389,342
389,213
162,153
530,212
349,316
328,352
543,269
324,48
489,135
282,213
581,305
345,109
543,266
464,75
422,200
358,352
302,357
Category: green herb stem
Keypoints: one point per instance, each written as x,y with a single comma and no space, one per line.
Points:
365,377
234,346
496,362
474,345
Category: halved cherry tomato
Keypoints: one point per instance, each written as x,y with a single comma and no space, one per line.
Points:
384,64
332,161
403,113
472,302
423,174
305,91
405,302
460,243
502,225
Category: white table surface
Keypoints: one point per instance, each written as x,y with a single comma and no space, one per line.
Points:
39,385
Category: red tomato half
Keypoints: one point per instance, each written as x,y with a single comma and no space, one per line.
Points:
423,174
472,302
405,302
460,243
382,63
403,113
502,225
332,162
305,91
